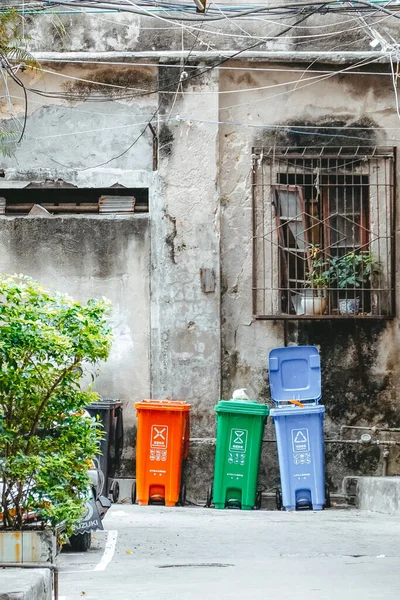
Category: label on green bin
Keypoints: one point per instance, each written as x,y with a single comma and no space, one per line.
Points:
238,441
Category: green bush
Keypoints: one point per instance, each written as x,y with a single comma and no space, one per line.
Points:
48,342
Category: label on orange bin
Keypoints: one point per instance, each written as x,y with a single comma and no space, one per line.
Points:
158,443
159,437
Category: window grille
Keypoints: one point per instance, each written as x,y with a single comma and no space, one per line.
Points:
323,232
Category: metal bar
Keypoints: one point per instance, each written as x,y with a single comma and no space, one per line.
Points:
393,228
293,317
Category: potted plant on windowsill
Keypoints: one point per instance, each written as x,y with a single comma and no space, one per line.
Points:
47,342
352,274
313,297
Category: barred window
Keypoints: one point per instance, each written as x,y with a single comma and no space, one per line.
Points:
323,232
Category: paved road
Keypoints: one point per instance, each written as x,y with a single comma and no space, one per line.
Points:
196,553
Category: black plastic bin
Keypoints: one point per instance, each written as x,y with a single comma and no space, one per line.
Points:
109,412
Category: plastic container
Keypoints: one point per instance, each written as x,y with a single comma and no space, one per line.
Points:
240,426
295,380
162,444
300,440
295,374
109,412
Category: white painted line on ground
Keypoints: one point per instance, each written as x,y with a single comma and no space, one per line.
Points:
108,551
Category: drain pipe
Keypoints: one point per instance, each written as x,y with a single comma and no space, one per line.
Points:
372,428
385,461
50,566
360,442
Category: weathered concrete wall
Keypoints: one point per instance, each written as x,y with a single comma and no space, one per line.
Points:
88,130
94,257
185,239
360,372
200,209
127,32
23,584
379,494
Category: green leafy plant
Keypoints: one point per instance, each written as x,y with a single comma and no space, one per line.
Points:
11,42
12,52
317,276
353,270
48,342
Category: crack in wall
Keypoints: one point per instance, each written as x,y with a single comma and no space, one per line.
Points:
170,238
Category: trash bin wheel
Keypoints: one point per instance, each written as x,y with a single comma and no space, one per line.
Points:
81,542
182,495
113,494
278,499
327,497
133,493
209,496
258,502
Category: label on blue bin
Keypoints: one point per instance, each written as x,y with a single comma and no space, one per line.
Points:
300,440
301,447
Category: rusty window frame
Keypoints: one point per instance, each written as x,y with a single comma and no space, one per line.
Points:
368,172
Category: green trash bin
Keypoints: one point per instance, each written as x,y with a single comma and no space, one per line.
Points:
240,426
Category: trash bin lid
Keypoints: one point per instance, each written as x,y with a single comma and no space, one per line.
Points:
170,405
248,407
105,403
295,373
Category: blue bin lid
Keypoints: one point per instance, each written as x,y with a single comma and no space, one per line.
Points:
295,373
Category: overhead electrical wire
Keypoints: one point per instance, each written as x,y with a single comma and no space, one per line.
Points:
212,92
190,77
129,6
319,5
146,118
283,69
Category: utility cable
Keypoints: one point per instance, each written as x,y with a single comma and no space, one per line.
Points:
136,9
190,77
198,73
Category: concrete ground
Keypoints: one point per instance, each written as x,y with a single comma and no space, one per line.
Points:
197,553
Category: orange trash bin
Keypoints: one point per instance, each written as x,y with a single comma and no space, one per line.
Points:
162,444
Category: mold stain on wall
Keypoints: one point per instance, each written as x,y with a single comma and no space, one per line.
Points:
128,81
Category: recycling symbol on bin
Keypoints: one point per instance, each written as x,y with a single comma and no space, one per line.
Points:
300,440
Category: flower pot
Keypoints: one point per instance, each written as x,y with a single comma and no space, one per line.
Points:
349,306
28,546
310,302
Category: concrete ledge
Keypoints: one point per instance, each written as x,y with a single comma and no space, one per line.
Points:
379,494
23,584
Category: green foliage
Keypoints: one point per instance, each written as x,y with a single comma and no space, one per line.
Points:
11,42
12,50
353,270
48,342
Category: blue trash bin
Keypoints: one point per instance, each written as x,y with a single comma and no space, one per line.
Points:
295,379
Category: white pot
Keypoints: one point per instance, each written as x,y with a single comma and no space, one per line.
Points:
314,305
309,303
